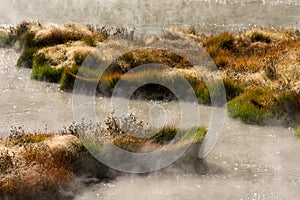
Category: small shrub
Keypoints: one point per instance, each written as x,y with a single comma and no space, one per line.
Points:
259,37
116,126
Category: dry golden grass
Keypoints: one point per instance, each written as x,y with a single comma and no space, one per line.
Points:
68,54
38,163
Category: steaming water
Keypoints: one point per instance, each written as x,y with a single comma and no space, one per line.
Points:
207,15
248,162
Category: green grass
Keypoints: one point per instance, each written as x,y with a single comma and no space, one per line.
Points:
232,89
85,74
26,58
297,131
260,105
42,71
67,79
200,133
251,107
7,39
166,134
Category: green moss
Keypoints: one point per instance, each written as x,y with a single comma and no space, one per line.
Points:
26,58
259,37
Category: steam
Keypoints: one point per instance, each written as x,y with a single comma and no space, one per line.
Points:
8,13
207,15
249,162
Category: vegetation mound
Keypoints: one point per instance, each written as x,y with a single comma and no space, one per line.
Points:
264,60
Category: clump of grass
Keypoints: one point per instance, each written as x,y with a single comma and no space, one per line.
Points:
68,77
41,70
232,89
252,107
224,40
260,37
26,58
297,131
166,134
90,40
261,105
288,105
60,35
200,133
150,55
218,48
6,161
19,137
31,165
87,77
34,34
36,171
130,133
7,38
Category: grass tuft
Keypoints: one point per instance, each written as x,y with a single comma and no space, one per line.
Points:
26,58
42,71
224,41
232,89
261,105
297,131
260,37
